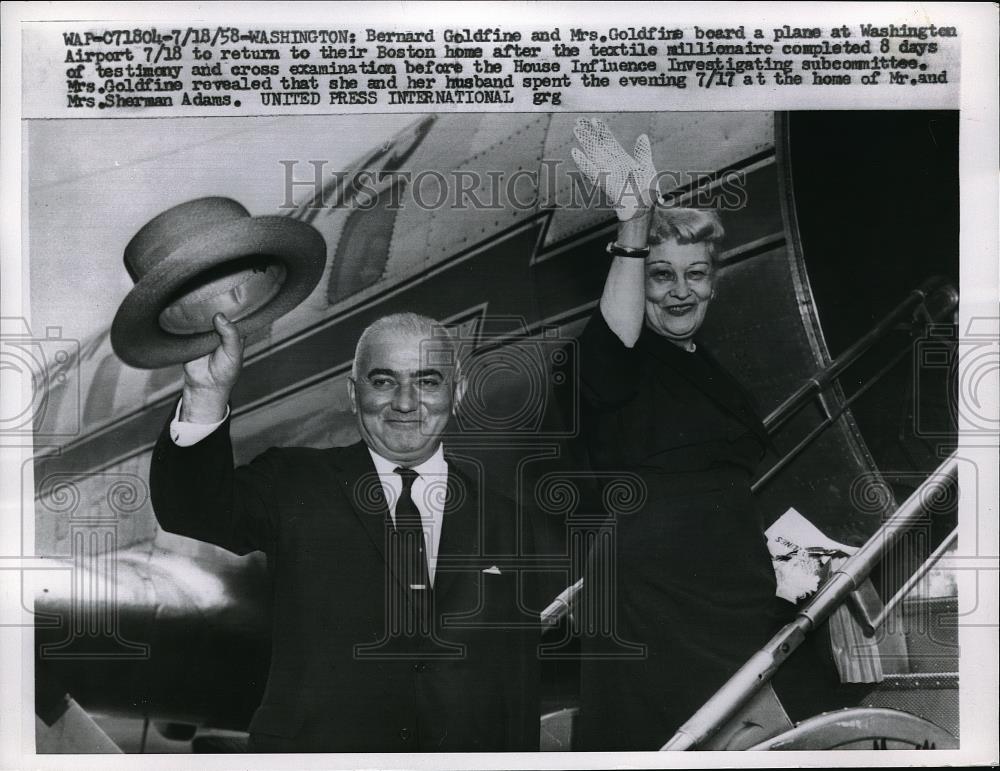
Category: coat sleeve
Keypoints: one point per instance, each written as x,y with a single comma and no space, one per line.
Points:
609,371
196,492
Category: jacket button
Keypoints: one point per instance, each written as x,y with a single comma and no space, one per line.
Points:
404,733
419,666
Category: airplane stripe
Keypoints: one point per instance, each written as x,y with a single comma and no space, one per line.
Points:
499,273
506,275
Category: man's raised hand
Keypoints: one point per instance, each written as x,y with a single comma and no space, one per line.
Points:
209,379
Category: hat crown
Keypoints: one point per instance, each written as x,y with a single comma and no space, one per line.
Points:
208,256
164,233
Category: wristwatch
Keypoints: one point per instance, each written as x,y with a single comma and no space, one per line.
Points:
617,250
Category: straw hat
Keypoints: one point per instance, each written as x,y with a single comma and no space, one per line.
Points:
202,257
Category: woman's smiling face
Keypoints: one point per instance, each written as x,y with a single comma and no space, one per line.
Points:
679,282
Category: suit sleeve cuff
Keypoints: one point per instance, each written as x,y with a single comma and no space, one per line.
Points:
184,434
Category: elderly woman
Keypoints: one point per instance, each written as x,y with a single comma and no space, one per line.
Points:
694,581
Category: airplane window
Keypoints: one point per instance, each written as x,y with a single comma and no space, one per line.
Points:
363,249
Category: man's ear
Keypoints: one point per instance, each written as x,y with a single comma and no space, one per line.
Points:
459,392
353,394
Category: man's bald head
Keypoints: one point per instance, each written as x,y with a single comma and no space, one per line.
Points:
405,384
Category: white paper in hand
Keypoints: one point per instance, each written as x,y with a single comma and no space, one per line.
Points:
789,540
792,531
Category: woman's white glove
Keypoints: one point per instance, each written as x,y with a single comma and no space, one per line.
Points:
628,181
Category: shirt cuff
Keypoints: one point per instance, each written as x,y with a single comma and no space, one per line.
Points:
185,434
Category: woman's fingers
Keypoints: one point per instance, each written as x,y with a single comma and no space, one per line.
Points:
627,179
643,152
646,170
584,132
590,171
588,143
602,134
608,141
597,142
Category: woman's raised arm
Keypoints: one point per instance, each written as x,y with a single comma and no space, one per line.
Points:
630,184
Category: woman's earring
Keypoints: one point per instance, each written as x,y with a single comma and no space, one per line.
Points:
712,296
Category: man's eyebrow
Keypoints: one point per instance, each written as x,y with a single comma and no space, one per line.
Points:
393,374
376,372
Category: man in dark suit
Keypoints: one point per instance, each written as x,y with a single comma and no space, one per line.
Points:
398,621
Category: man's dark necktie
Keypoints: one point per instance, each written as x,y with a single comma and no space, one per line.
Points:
413,568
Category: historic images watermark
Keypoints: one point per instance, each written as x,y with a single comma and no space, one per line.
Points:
556,183
41,383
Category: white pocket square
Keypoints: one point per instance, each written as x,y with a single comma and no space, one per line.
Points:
493,570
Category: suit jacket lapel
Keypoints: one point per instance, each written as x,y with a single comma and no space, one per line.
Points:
461,532
461,527
359,482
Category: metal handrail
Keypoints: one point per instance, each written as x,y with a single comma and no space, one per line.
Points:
913,580
759,669
934,288
816,384
829,419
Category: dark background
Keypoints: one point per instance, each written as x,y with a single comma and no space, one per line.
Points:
877,200
876,196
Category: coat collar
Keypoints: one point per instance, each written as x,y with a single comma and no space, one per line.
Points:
433,466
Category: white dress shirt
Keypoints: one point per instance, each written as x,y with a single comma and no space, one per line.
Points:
428,493
185,434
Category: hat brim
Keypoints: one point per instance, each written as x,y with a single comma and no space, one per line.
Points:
136,334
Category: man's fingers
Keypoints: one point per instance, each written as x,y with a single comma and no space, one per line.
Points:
223,326
230,335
